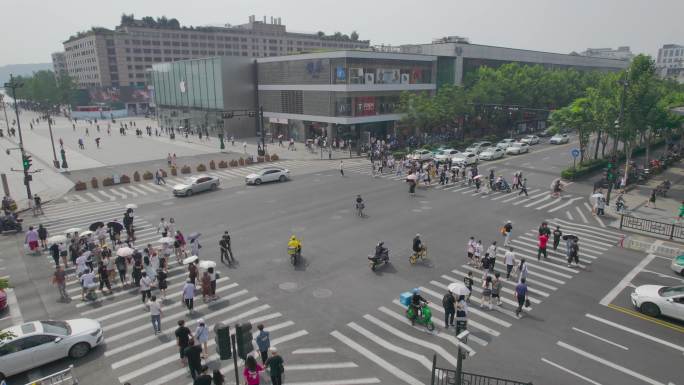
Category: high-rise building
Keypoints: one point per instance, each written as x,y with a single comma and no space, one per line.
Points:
59,65
621,53
670,62
102,57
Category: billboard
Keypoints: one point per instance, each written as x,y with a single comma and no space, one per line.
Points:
387,76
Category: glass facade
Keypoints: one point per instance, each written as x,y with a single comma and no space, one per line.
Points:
189,83
377,71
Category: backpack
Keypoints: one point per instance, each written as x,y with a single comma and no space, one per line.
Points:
448,300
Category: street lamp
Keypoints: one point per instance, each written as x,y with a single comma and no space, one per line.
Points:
47,117
13,85
2,103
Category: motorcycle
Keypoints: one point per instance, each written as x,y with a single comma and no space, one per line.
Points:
424,319
295,254
375,261
502,186
10,223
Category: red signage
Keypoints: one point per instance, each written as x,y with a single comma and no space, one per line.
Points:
365,105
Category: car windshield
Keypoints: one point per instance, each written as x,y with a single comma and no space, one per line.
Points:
680,259
56,327
189,180
671,291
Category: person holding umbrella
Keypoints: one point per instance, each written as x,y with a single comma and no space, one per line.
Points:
411,180
194,244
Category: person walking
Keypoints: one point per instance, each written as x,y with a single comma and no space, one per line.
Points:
506,232
54,251
263,341
59,280
162,285
104,277
468,282
449,304
522,270
205,284
509,260
520,296
192,273
487,292
461,314
523,187
496,288
652,199
42,235
31,240
204,378
252,371
183,335
557,234
543,240
478,253
573,253
224,246
121,267
470,250
275,366
145,287
193,353
188,295
202,335
342,168
155,314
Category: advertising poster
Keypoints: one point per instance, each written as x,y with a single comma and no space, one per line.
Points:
341,74
387,76
365,105
356,75
416,76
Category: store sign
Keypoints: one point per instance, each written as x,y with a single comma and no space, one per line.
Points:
278,120
365,105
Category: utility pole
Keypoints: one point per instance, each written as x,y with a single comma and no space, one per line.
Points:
613,160
13,85
263,133
47,116
2,97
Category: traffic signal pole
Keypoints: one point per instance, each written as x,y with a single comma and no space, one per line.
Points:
12,85
237,376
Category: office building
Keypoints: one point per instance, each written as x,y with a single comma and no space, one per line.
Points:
670,62
621,53
102,57
59,64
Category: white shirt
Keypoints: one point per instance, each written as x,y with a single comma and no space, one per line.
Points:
155,308
509,258
88,279
492,251
81,264
145,283
188,291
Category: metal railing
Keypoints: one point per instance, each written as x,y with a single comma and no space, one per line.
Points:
64,377
670,230
443,376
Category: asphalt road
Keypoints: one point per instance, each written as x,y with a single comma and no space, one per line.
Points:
336,321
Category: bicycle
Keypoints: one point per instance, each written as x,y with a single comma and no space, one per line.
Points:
419,255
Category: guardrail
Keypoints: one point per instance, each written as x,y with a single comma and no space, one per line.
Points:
670,230
443,376
64,377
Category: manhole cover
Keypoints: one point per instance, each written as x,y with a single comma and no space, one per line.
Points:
288,286
322,293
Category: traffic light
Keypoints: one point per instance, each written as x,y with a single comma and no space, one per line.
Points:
222,340
610,172
243,337
27,162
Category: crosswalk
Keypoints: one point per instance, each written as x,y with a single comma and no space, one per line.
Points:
135,354
386,337
228,176
538,199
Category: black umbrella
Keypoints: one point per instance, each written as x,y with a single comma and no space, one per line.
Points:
115,226
95,225
570,236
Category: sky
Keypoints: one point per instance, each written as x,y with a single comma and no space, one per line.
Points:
40,26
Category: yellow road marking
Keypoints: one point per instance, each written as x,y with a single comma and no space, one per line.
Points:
644,317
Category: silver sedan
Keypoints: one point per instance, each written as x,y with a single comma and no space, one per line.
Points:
196,184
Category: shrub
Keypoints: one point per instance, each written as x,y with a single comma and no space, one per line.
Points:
274,157
80,186
93,182
147,175
241,162
125,179
212,164
584,168
223,164
233,163
201,167
174,171
399,154
108,181
260,159
249,160
185,169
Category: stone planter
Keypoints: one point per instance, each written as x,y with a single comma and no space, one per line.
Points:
93,183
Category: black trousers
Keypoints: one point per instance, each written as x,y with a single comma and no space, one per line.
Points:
194,369
277,380
509,268
449,316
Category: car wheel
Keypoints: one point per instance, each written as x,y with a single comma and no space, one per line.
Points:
681,272
79,350
650,309
213,186
189,193
257,181
282,178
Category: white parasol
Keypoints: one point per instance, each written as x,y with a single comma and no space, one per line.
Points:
125,252
206,264
411,177
85,233
167,240
190,259
477,177
131,206
57,239
72,230
458,288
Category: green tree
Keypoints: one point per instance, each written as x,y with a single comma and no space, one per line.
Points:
577,116
354,36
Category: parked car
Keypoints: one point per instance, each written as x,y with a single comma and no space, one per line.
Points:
677,265
559,139
530,139
518,148
477,147
491,153
446,154
505,143
195,184
268,174
464,159
420,155
3,299
656,300
546,133
37,343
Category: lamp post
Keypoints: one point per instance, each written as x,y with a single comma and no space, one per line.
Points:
13,85
2,97
618,124
47,117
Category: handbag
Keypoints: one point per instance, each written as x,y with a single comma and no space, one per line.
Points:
527,302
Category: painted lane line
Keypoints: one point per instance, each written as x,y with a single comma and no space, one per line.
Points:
416,341
567,203
313,351
501,195
600,338
646,318
350,381
472,309
539,201
609,363
144,186
129,192
514,283
477,299
104,194
606,232
144,340
479,289
119,193
570,217
13,305
581,214
627,279
531,197
517,196
534,262
93,197
322,366
391,347
599,220
372,357
589,380
504,288
635,332
137,190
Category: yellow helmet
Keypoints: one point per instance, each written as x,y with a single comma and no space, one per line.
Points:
292,238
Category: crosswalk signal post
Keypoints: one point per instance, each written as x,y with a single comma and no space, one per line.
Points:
243,335
222,340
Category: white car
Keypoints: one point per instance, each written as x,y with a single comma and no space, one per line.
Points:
505,143
656,300
446,154
530,139
196,184
559,139
268,174
518,148
491,153
678,264
477,147
420,155
464,159
37,343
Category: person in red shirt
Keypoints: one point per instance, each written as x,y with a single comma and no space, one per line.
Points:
543,240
